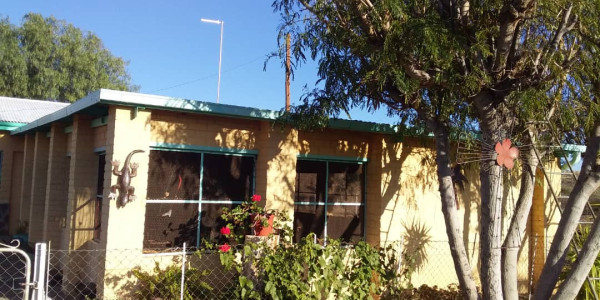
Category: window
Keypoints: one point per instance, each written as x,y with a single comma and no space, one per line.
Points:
329,200
99,197
186,192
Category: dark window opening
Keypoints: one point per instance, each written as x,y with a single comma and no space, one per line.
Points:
174,175
330,200
170,225
227,177
176,183
99,197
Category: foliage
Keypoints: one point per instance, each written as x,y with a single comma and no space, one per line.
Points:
509,69
585,292
166,284
311,271
425,292
49,59
245,218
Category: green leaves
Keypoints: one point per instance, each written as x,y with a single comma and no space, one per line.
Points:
50,59
311,271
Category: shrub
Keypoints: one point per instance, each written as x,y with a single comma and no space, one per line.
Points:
311,271
166,284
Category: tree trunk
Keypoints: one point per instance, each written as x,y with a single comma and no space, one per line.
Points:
585,185
585,260
491,231
451,216
518,224
494,127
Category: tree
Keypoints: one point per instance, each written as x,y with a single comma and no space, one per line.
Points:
49,59
507,68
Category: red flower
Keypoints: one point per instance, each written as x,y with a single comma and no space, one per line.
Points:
225,230
255,198
224,248
506,155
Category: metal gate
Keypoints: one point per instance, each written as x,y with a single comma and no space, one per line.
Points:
15,272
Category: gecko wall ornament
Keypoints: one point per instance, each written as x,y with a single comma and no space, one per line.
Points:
129,170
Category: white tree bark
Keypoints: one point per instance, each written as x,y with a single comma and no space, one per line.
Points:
452,218
516,231
493,130
585,261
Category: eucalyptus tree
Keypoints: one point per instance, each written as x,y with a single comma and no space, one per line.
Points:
509,67
49,59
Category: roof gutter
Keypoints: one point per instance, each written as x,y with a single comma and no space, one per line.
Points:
9,126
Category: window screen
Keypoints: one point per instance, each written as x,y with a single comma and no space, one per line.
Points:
186,192
227,177
336,188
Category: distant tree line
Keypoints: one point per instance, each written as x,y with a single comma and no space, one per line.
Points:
50,59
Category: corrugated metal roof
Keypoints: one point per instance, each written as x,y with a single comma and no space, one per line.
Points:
17,110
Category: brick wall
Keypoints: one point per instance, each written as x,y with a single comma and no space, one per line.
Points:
57,185
38,187
10,178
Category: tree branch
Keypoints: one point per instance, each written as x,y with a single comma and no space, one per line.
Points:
511,15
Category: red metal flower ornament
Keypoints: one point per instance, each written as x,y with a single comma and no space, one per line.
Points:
506,154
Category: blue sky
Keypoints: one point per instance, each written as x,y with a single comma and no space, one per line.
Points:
172,53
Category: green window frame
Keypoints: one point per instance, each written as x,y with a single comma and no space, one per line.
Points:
330,186
197,191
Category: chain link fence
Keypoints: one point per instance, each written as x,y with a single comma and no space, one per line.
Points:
161,274
138,274
15,269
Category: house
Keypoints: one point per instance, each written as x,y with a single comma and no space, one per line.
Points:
15,112
353,180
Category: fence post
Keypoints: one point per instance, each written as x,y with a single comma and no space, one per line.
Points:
39,271
182,271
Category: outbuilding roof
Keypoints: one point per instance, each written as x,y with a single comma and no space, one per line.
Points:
15,112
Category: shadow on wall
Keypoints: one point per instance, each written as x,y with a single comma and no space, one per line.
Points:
82,220
408,170
416,240
167,128
469,199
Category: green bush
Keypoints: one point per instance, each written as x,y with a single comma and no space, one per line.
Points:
311,271
166,284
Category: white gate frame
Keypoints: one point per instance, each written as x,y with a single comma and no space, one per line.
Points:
15,249
40,272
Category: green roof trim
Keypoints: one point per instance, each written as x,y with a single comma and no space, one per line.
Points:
195,148
10,126
146,101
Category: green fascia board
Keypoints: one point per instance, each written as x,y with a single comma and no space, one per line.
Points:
10,126
178,104
196,148
143,101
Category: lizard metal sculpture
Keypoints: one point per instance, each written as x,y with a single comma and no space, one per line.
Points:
123,185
